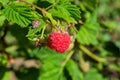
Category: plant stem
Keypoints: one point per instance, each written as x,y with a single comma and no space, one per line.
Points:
52,5
85,50
43,30
81,58
35,6
66,60
43,10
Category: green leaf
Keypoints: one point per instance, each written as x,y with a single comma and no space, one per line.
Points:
46,53
4,2
2,20
87,33
19,15
6,76
50,1
66,11
62,13
30,1
33,32
93,74
74,71
51,64
49,71
3,59
72,9
90,4
86,36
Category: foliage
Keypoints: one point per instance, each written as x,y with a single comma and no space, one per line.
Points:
94,28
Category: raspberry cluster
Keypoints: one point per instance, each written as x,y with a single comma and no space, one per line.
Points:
58,41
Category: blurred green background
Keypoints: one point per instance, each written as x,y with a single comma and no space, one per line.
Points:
100,25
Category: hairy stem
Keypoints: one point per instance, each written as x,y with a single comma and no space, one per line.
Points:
90,54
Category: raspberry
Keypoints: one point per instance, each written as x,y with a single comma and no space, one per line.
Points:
58,41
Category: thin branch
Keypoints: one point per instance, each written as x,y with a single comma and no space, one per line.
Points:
90,54
43,30
66,60
35,6
52,5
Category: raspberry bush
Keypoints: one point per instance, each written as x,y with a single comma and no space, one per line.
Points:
59,40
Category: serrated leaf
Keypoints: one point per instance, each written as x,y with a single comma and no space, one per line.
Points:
22,15
88,32
16,17
85,36
66,11
72,9
62,13
51,64
74,71
51,72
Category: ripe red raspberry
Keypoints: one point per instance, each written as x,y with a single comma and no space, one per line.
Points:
58,41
